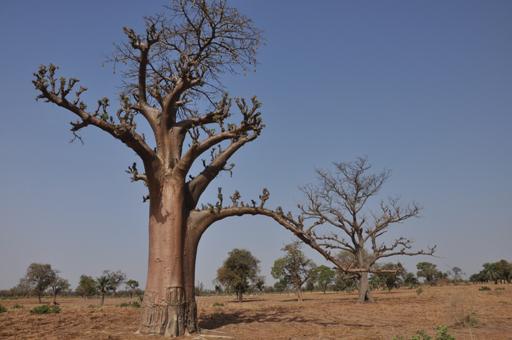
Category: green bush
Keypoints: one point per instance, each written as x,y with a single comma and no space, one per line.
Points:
421,335
17,306
484,288
441,334
218,304
133,304
469,320
3,309
45,309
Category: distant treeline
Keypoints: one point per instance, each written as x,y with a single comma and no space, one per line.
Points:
42,280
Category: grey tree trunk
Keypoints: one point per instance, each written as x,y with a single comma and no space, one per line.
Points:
299,294
364,288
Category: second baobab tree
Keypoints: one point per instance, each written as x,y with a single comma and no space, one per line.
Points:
172,85
336,218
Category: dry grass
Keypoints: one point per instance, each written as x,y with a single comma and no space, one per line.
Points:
468,312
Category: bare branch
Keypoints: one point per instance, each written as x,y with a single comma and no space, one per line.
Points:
45,82
247,130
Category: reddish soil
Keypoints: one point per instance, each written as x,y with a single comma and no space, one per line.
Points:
468,312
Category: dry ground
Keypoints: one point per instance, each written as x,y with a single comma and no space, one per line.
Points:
279,316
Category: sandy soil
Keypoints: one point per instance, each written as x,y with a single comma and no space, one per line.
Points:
279,316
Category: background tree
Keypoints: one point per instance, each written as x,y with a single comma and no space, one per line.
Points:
294,268
86,286
410,280
58,285
238,272
495,272
429,272
457,274
280,286
103,285
131,286
324,277
259,284
172,69
344,281
39,276
338,204
390,276
504,269
23,288
115,278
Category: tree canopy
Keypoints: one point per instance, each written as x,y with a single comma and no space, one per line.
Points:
238,272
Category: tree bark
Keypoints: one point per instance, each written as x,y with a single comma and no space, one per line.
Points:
364,288
299,294
191,244
165,303
102,298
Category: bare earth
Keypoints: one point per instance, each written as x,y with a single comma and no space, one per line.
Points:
279,316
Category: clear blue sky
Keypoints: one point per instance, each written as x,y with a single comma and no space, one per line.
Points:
420,87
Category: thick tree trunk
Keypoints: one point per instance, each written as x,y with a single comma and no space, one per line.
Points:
165,303
364,288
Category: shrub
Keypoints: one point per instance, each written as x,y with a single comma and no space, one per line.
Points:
499,288
421,335
469,319
3,309
419,291
133,304
484,288
45,309
17,306
441,334
218,304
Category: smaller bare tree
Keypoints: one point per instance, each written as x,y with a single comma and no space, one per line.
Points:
339,203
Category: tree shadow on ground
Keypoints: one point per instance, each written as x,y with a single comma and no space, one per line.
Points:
295,300
219,319
249,300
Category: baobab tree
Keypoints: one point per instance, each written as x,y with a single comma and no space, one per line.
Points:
339,200
171,73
